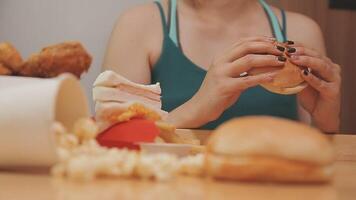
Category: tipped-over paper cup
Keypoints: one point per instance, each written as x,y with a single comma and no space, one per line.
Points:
28,109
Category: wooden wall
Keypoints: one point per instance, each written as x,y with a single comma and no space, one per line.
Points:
339,28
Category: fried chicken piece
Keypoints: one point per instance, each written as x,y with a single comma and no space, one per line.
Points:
167,133
10,59
137,110
57,59
4,70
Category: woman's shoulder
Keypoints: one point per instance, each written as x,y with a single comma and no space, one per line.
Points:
141,16
135,41
297,22
142,23
304,29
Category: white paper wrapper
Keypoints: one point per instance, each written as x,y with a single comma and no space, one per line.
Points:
179,150
28,108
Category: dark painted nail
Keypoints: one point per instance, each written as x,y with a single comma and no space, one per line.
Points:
291,50
305,72
280,48
289,42
282,58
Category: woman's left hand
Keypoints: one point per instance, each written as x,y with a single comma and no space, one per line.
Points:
322,96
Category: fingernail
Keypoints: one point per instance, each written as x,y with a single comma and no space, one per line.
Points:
305,72
289,42
280,48
282,58
244,74
291,50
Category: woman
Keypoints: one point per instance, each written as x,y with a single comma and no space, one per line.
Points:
198,50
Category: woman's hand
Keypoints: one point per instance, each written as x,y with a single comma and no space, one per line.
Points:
322,97
223,83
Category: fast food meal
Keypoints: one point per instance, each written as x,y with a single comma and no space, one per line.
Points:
126,113
4,70
288,79
261,148
57,59
70,57
119,102
110,86
109,113
82,158
10,59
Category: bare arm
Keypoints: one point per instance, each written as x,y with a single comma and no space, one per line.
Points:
130,44
321,99
305,30
134,47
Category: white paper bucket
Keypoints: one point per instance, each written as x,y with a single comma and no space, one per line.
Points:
28,108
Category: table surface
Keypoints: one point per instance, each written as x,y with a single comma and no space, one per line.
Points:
38,185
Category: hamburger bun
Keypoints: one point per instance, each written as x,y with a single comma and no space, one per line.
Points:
262,148
288,80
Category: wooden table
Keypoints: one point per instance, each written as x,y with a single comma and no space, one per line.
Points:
38,185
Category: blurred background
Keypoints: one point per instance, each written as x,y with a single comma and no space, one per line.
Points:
32,24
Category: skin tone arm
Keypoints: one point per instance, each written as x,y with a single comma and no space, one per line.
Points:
320,101
223,85
128,49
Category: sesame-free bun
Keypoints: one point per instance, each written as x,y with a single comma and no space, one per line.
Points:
288,80
262,148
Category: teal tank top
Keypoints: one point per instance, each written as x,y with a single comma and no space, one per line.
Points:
180,78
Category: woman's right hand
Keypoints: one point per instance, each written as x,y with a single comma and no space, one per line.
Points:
223,84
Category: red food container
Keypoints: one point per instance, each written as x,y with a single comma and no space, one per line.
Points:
128,134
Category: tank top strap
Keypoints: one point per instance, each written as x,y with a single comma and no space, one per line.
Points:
163,17
284,25
277,30
173,31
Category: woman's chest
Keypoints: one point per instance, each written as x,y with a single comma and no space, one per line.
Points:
201,43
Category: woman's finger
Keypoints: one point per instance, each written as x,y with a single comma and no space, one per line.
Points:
295,44
250,61
318,65
303,51
225,54
300,51
254,48
243,83
314,81
298,48
254,39
292,43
